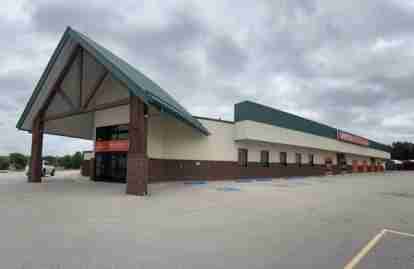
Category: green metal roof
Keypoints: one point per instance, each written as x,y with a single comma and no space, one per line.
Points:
136,82
255,112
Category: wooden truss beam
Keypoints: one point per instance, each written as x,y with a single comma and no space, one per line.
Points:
95,89
81,76
121,102
59,80
66,99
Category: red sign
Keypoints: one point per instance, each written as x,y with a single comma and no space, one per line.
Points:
112,145
347,137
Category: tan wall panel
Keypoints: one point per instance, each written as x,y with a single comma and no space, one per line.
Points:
112,116
155,140
92,72
250,130
75,126
352,157
71,84
184,142
111,90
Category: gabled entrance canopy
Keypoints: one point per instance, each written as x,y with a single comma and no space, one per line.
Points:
78,68
82,77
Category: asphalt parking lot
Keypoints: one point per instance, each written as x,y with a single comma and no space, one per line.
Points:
316,222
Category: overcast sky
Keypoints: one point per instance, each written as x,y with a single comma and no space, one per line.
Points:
345,63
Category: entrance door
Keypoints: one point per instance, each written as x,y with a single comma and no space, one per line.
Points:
118,166
328,165
101,166
111,166
341,161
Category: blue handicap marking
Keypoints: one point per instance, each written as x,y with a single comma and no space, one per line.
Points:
228,189
297,177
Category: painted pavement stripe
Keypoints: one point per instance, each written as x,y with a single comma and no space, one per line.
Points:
364,251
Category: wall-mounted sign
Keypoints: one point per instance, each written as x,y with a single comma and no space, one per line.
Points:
111,145
347,137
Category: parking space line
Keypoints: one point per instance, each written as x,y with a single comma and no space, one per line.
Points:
364,251
400,233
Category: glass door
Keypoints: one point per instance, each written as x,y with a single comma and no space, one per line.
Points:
111,166
118,165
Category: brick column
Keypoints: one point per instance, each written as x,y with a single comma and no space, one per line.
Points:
137,163
36,155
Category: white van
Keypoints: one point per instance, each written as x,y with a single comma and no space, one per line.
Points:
47,169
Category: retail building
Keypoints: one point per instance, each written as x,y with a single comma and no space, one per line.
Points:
142,134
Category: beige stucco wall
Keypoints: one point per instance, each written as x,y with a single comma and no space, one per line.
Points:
156,133
360,159
112,116
169,138
250,130
183,142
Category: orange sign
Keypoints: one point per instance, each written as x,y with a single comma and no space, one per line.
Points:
111,145
347,137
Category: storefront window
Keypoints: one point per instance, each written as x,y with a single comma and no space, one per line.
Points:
283,158
243,153
264,158
298,158
116,132
311,159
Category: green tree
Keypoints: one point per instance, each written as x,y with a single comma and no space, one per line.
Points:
402,151
50,159
66,161
4,163
77,160
18,160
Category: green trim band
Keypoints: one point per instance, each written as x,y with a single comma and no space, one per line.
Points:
256,112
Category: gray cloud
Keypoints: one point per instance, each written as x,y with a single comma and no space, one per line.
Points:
52,17
18,80
167,51
226,55
342,63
